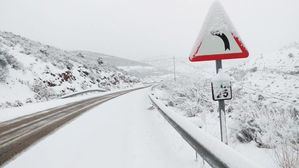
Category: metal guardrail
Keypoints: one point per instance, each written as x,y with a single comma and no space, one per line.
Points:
212,150
97,90
83,92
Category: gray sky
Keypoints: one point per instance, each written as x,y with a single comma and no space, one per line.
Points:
138,29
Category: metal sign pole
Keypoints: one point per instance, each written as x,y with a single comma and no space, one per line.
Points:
221,109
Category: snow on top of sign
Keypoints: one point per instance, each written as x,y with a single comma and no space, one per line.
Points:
216,20
221,77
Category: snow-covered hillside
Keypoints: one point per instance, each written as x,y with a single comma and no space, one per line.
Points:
31,71
144,71
264,111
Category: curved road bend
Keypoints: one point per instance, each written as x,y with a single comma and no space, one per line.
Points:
18,134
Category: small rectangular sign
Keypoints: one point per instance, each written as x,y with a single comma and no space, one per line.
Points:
221,91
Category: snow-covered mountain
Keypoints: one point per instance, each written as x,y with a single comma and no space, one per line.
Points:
31,71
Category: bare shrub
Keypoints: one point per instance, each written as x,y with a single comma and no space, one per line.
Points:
43,92
3,68
287,155
100,61
11,60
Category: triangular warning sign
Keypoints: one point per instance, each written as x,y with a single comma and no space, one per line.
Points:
218,39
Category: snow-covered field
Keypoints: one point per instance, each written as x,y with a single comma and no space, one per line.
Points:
123,132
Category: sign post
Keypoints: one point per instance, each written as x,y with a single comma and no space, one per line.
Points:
219,40
221,110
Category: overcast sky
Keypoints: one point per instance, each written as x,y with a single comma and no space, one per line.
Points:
140,29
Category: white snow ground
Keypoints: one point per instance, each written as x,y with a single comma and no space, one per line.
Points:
122,132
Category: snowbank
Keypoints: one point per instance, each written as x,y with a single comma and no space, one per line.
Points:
223,153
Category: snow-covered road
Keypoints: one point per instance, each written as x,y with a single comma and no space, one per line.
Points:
122,132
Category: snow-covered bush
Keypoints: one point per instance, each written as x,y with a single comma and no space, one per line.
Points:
3,68
85,85
80,55
100,61
41,90
287,155
11,60
192,97
266,124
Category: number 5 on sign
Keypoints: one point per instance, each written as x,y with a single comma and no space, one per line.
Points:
221,90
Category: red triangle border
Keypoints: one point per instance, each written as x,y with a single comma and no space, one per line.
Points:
243,54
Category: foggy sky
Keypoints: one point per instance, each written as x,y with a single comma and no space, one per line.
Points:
139,29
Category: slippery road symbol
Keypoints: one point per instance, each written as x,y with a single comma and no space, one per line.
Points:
223,37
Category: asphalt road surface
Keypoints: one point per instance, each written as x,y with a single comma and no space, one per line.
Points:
18,134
